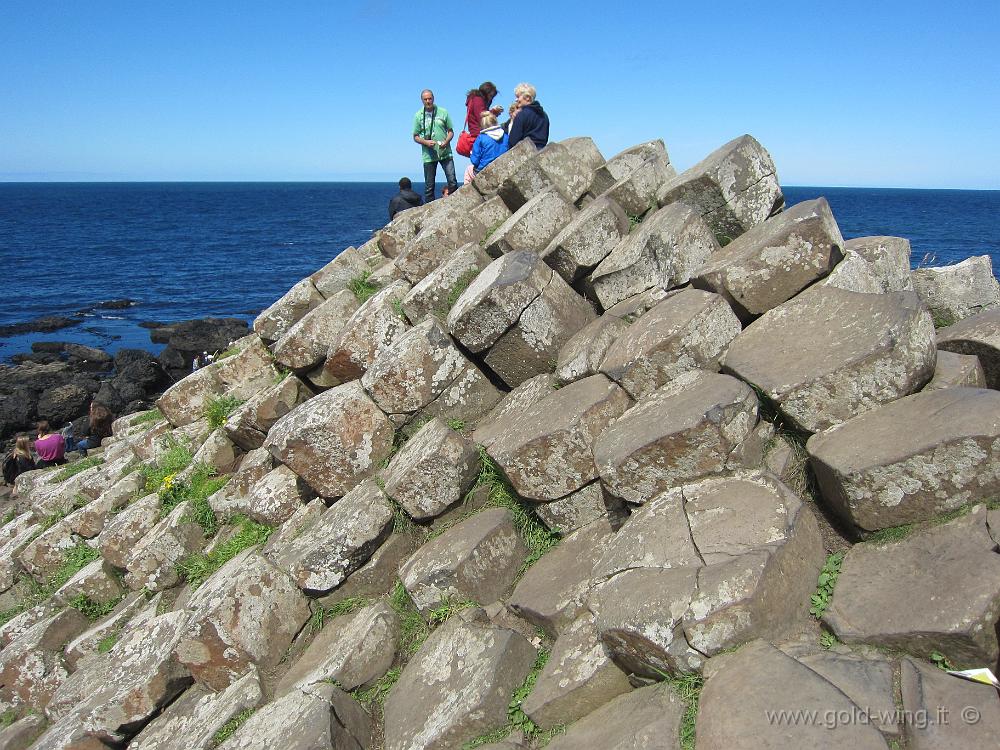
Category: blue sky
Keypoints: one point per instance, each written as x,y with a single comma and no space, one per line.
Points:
895,94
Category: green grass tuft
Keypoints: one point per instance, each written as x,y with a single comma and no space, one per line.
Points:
448,607
889,535
687,686
8,717
92,610
107,643
229,728
347,606
413,631
174,460
373,699
362,288
825,584
77,467
458,288
456,424
490,232
397,307
153,415
217,410
197,568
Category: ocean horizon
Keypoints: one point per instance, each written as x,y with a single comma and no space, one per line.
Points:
185,250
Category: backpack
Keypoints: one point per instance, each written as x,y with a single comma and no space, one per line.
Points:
10,468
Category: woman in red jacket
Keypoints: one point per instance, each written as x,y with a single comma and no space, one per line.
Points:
478,101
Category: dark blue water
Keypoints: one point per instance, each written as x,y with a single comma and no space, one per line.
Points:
190,250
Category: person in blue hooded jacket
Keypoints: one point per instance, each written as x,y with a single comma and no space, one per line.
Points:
490,144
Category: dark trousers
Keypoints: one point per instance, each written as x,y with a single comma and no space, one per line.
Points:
430,172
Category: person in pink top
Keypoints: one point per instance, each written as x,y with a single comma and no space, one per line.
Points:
50,447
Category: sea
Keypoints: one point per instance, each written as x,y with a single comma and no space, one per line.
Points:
192,250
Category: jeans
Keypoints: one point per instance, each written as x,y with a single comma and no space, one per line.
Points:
430,172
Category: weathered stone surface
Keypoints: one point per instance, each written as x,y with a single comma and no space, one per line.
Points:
322,717
491,213
246,613
685,430
979,335
531,390
432,471
705,567
488,181
734,712
30,667
552,593
580,508
26,530
95,581
22,733
192,721
334,440
689,330
248,424
622,164
18,625
340,541
578,678
58,498
240,376
378,576
275,497
457,686
451,228
911,460
917,595
587,240
663,252
818,374
234,495
354,650
956,371
582,355
371,329
546,450
306,343
386,274
953,293
636,191
119,621
644,719
112,697
438,291
889,258
152,562
277,319
419,367
218,452
775,260
570,166
476,560
943,712
123,532
853,273
533,225
525,182
348,264
585,150
43,557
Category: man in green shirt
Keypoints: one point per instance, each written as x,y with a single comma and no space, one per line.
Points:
432,129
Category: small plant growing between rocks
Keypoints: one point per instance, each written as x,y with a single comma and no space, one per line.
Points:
217,410
8,717
828,640
397,307
458,288
687,686
448,607
373,699
229,728
413,631
107,643
825,583
490,232
91,609
361,287
347,606
77,467
153,415
197,568
176,458
889,535
456,424
941,661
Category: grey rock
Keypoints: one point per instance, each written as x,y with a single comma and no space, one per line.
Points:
274,498
490,427
248,424
450,228
889,258
348,264
533,225
979,335
275,321
580,508
956,371
954,293
488,181
636,191
440,289
587,239
369,331
306,343
622,164
582,355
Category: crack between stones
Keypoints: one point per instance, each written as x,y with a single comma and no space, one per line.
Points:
772,211
690,533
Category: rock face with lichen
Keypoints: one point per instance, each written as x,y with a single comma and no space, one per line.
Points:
586,425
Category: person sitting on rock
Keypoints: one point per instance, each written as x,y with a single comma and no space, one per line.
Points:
531,121
100,426
491,143
50,446
19,461
404,199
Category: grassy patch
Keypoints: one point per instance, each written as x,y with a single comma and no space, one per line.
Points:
397,307
633,221
458,288
942,318
197,568
217,410
347,606
362,288
202,484
828,640
107,643
517,720
413,631
153,415
825,583
77,467
176,458
373,699
490,232
687,686
456,424
448,607
33,593
229,728
232,351
92,610
889,535
8,717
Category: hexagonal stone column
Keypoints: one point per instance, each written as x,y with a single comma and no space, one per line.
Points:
911,460
437,240
334,440
665,251
248,424
979,335
533,225
587,240
372,327
488,181
956,371
546,449
818,374
735,188
275,321
689,330
889,259
622,164
776,260
636,191
681,432
440,289
306,343
953,293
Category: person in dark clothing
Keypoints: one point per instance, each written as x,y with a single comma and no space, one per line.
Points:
405,199
19,460
531,121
